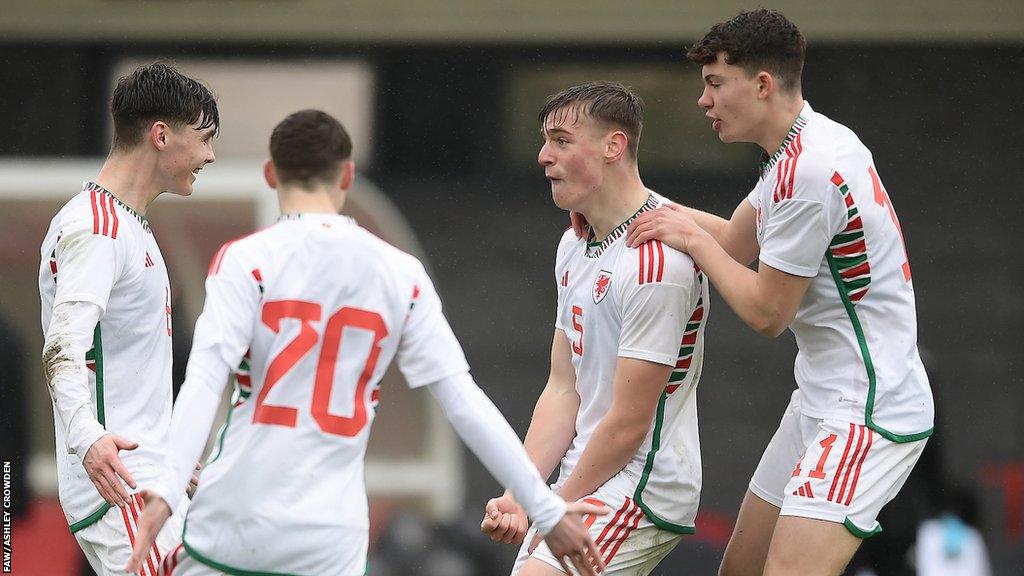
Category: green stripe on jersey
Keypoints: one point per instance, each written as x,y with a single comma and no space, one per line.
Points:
869,366
648,466
90,519
97,346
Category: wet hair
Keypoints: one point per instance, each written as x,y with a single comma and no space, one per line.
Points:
609,103
309,147
756,40
158,92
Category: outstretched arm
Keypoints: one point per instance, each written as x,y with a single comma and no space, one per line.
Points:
482,427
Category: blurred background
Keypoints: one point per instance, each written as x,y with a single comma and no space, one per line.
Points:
441,99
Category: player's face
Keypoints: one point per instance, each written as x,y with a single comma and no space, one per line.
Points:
730,100
188,150
571,157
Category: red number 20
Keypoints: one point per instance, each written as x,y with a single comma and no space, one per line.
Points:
307,313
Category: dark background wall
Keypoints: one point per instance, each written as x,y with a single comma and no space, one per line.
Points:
943,122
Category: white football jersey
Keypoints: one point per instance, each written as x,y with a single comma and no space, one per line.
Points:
649,303
101,251
822,213
320,307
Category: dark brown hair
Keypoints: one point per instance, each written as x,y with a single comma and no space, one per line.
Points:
309,146
610,103
158,92
757,40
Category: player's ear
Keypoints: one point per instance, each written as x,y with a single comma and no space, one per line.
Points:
157,134
348,174
269,174
766,84
615,146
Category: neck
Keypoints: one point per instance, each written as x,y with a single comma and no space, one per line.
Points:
779,123
616,200
132,177
320,200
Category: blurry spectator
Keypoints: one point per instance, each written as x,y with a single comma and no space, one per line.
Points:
950,545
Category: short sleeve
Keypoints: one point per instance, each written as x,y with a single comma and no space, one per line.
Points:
88,265
797,229
428,351
655,312
562,258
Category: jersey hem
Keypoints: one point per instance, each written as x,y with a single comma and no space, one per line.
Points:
786,267
90,519
860,532
224,567
664,359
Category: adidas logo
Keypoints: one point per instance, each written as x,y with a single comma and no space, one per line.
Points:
149,261
804,491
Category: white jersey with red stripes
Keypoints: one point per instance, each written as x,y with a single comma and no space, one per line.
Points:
99,250
319,307
649,303
823,213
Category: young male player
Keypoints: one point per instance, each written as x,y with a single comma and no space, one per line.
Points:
106,313
619,409
320,307
833,268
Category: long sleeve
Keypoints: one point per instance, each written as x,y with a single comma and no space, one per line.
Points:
482,427
222,335
68,339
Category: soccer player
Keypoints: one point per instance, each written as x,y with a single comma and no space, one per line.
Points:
320,307
106,313
833,268
619,410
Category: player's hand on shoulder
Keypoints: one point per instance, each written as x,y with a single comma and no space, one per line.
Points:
505,520
570,542
107,472
669,223
155,512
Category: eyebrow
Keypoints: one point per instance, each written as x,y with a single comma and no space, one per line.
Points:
554,130
710,76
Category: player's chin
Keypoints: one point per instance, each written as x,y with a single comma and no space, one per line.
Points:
183,188
562,200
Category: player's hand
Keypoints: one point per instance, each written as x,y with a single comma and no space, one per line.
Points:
505,520
106,470
669,223
579,225
155,513
193,482
570,541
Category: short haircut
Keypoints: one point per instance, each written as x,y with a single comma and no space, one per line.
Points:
158,92
756,40
609,103
309,147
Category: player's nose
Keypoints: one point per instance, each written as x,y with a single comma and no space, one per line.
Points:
544,157
705,100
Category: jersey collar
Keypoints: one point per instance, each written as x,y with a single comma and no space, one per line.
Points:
317,217
89,186
769,162
595,249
